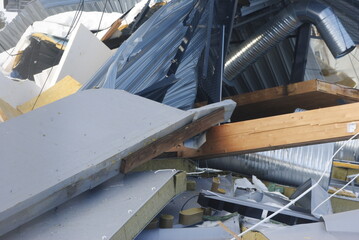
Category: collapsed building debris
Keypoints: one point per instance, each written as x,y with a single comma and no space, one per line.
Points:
76,169
96,213
336,226
98,99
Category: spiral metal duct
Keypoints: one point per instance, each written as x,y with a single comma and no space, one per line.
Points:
350,151
292,166
309,11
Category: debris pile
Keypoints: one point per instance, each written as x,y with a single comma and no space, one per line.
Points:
178,119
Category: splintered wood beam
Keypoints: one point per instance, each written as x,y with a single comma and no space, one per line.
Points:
114,27
288,130
308,95
171,140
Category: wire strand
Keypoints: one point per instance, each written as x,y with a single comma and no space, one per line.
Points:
10,54
301,195
73,24
332,195
103,12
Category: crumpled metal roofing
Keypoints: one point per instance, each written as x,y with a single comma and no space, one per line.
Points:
274,68
40,9
145,57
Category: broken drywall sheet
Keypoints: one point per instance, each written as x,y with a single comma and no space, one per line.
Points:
109,209
83,56
17,92
46,78
54,153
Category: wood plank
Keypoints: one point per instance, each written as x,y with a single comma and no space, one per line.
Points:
288,130
171,140
63,88
7,111
296,89
114,27
308,95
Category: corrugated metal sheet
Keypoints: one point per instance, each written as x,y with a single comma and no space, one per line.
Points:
145,57
16,5
274,68
40,9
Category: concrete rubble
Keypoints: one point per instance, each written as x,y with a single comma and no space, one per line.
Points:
179,119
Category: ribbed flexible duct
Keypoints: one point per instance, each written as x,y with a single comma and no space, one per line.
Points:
292,166
288,20
350,152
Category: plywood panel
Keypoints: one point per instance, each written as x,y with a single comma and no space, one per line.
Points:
308,95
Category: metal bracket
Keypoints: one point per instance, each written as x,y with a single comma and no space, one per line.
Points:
300,53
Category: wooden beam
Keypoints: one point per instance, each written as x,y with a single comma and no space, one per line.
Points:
308,95
288,130
171,140
114,27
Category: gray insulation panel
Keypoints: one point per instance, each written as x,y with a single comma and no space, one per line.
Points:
56,152
97,214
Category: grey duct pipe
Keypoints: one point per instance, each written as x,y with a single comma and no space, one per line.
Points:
291,166
308,11
350,152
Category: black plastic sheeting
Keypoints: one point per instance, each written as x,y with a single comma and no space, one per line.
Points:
38,56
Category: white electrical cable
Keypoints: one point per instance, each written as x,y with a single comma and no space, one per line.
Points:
165,170
332,195
301,195
195,173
